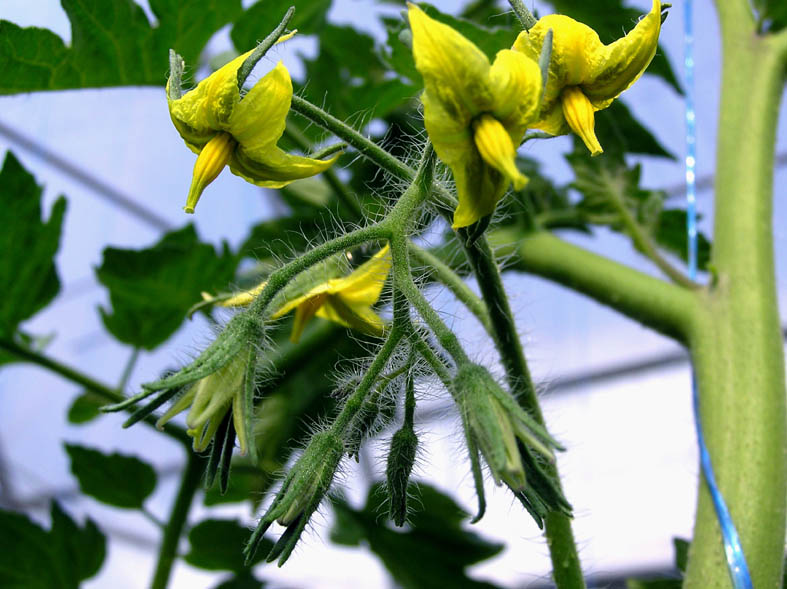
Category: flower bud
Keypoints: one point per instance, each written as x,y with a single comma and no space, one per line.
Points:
304,487
508,438
401,459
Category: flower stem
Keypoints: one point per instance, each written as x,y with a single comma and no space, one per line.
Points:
448,278
567,570
107,393
523,14
173,530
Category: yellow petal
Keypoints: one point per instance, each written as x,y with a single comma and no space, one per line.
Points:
199,113
181,404
552,120
479,187
239,422
496,148
579,115
362,287
625,60
516,83
360,318
210,162
576,52
455,71
271,167
303,313
242,298
258,121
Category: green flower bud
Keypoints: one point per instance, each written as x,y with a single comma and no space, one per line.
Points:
301,493
401,459
507,438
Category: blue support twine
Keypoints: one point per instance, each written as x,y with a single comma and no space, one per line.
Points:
736,562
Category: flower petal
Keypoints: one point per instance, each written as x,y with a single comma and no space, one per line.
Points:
361,318
576,52
362,287
625,60
455,71
203,111
274,168
258,120
479,187
516,84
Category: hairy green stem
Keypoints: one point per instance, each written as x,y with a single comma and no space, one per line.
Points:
173,529
656,303
736,341
448,278
566,567
523,14
279,278
107,393
339,188
365,146
355,401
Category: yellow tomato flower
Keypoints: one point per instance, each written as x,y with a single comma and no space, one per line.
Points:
345,300
475,113
226,128
584,74
208,400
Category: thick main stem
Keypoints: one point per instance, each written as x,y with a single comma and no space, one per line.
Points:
173,529
736,341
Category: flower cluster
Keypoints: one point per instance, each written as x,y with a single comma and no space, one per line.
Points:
476,113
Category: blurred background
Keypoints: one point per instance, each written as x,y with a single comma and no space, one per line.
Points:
616,394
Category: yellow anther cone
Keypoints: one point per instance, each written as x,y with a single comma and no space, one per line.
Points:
579,114
496,148
211,161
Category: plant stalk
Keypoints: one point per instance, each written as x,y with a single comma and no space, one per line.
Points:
566,567
736,341
173,530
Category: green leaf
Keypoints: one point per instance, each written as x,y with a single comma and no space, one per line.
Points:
605,180
152,289
672,236
265,15
34,558
771,14
114,479
349,71
85,408
246,483
244,580
113,44
619,132
399,57
610,20
217,544
28,277
434,552
681,553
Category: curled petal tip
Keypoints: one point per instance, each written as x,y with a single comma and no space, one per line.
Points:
189,210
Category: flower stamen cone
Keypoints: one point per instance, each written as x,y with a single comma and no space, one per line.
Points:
580,116
211,161
496,148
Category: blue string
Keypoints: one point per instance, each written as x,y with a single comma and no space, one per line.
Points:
736,563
